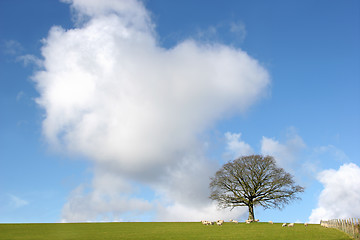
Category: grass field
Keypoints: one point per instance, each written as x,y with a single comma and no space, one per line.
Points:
151,230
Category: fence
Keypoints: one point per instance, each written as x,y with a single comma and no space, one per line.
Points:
350,226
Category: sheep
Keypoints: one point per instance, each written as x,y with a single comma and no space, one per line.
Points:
218,222
284,224
271,222
291,224
306,224
230,220
204,222
324,225
248,221
256,220
234,221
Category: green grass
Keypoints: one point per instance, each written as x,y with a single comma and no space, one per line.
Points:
151,230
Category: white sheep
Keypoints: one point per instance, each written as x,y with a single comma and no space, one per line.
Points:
234,221
205,222
306,224
291,224
284,224
271,222
248,221
324,224
219,223
256,220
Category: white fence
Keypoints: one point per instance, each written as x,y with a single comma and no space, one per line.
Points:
350,226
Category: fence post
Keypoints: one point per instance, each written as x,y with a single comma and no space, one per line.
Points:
351,226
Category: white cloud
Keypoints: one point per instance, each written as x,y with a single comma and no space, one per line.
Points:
284,153
131,12
235,147
341,195
187,182
108,198
111,93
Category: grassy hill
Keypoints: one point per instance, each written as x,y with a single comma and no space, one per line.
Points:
176,230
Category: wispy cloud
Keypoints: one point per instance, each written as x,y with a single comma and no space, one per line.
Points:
239,29
335,153
16,202
11,47
235,30
20,95
29,59
286,154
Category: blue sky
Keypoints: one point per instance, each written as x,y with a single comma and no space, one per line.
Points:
171,70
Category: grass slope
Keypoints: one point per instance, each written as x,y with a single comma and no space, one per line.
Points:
150,230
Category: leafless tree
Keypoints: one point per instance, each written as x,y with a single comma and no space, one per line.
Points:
251,181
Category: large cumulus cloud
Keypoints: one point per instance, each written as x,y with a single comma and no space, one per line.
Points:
341,194
111,93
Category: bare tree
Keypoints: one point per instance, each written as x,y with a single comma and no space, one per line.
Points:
251,181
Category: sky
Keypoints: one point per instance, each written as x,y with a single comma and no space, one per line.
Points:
122,110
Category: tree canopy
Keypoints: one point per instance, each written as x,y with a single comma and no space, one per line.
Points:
251,181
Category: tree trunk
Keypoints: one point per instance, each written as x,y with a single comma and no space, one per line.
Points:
251,211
